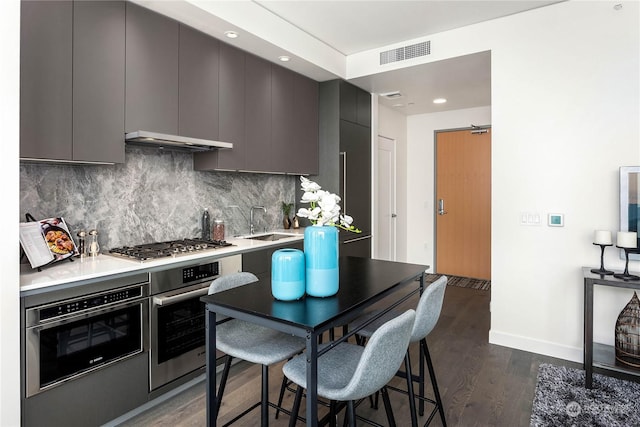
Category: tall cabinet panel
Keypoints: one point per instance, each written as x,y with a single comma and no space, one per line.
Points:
152,72
347,164
98,80
198,86
355,185
258,114
46,79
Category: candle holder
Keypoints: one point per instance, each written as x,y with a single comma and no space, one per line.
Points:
602,271
625,275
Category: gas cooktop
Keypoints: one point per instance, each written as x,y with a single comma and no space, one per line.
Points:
172,248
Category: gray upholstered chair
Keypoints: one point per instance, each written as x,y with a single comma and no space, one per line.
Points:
350,372
250,342
427,315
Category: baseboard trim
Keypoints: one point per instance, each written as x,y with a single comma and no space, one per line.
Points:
547,348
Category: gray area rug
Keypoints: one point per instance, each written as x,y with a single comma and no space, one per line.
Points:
463,282
562,400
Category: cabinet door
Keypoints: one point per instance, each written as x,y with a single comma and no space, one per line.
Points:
354,246
303,150
98,81
348,101
151,72
355,142
363,108
258,114
198,89
283,152
46,79
230,112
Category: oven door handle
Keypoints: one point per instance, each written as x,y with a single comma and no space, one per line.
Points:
168,300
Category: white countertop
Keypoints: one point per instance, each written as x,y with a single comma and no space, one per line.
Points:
88,270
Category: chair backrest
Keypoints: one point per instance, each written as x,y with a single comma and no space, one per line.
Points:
428,310
231,281
381,357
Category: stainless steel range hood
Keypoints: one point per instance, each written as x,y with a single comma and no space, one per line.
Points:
155,139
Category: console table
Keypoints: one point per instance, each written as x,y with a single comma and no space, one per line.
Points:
597,356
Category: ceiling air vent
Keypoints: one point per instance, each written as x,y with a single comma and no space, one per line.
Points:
405,52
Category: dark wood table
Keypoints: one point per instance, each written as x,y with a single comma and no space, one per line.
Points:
600,357
363,282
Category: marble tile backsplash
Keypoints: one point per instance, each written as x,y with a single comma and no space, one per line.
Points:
154,196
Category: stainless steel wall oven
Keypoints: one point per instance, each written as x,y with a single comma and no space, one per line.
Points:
177,318
74,336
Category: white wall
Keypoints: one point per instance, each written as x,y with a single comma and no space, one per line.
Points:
420,171
9,264
565,116
393,125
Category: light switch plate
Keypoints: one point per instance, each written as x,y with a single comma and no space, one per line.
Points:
556,220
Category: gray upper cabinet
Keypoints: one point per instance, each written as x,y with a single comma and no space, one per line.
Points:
198,86
258,114
72,81
98,81
151,71
46,33
231,113
303,149
283,156
355,104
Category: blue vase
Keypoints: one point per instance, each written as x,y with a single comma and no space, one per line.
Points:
321,259
287,274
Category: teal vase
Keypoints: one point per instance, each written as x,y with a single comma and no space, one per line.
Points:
321,260
287,274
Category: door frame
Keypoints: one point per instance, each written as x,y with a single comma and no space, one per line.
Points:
435,185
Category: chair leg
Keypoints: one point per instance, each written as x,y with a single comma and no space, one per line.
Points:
421,381
264,402
333,416
283,387
387,407
412,397
351,413
296,407
223,383
434,382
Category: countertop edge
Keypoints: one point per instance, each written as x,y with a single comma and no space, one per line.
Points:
79,272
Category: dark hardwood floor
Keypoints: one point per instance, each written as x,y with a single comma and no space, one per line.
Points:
481,384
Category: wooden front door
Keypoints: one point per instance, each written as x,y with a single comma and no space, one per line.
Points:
463,203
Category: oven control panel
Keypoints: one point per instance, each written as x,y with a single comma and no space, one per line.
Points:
89,302
199,272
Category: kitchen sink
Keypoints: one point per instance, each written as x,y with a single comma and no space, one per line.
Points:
269,237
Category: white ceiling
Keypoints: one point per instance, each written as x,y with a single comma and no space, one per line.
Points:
348,27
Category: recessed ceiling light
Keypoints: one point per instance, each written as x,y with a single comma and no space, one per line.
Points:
398,105
284,58
439,101
231,34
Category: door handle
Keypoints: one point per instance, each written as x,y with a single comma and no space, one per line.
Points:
441,210
393,215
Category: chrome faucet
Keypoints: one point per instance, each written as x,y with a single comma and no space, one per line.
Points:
251,226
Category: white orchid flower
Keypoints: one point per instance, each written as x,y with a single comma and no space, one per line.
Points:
324,207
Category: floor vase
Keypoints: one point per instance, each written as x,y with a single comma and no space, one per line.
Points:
321,260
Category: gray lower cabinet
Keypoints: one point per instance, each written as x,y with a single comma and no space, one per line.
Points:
72,81
151,71
259,262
